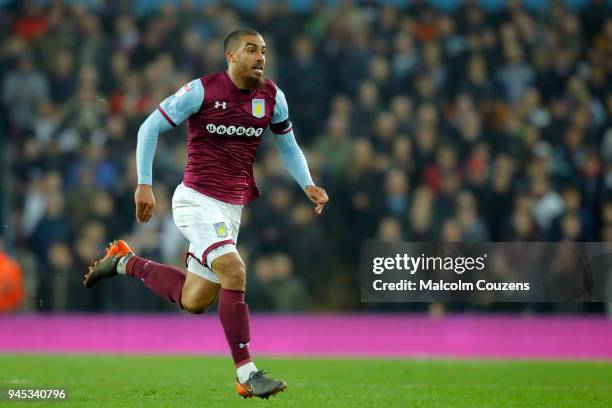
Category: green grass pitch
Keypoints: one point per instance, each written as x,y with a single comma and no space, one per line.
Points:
193,381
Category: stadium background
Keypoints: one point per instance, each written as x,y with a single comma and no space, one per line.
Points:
423,120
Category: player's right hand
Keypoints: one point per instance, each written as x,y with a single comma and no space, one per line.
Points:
145,202
318,196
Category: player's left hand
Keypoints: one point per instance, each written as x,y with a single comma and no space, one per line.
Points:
318,196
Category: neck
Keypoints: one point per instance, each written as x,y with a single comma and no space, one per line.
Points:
240,82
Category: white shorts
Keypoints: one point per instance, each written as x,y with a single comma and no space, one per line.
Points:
211,227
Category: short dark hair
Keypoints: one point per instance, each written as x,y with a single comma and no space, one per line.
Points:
233,39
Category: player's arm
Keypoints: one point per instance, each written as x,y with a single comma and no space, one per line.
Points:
291,154
170,113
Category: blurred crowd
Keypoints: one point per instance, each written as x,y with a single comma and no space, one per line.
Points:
422,124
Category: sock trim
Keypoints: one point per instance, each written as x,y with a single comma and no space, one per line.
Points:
244,362
233,290
122,264
243,373
214,246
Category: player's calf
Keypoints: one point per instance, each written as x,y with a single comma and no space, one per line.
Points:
165,280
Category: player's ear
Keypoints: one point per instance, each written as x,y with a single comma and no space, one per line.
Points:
229,57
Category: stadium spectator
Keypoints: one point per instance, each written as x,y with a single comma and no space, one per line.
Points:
22,89
11,283
424,123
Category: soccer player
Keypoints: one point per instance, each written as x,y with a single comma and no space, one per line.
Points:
226,113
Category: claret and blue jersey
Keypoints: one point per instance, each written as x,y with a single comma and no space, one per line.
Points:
225,125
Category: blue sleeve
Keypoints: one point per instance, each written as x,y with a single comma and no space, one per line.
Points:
293,158
147,142
280,123
172,111
184,103
281,110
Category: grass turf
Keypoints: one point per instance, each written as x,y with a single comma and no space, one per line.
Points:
184,381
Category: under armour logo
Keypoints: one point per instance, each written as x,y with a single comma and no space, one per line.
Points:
243,345
219,104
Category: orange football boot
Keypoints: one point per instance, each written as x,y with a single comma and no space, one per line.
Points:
119,248
107,266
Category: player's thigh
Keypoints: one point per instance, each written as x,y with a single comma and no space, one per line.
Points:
195,214
230,266
204,222
199,293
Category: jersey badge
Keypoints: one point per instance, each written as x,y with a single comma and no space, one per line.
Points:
221,229
183,90
258,108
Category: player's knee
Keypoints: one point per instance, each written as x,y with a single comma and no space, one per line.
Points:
230,269
195,304
195,309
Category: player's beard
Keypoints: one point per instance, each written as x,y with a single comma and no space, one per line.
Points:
250,80
254,82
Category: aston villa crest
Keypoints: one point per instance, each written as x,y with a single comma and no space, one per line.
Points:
221,229
258,108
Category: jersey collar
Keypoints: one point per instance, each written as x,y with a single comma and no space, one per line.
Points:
242,91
